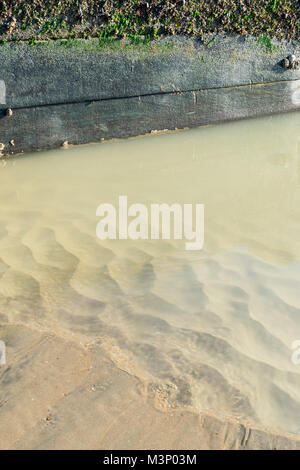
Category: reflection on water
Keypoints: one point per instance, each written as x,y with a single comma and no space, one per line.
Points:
217,324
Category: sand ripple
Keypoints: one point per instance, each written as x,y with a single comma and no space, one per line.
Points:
211,331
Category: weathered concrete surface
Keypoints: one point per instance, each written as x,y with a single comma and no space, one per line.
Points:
56,74
83,94
44,127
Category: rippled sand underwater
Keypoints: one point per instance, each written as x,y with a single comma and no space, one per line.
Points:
212,328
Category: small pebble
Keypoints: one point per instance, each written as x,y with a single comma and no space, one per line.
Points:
286,63
290,62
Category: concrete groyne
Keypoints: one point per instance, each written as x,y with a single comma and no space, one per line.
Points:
55,92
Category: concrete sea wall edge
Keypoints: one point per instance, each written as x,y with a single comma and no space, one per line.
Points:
51,93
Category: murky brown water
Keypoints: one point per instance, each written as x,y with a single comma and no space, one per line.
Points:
215,325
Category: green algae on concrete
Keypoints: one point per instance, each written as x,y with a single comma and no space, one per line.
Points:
57,72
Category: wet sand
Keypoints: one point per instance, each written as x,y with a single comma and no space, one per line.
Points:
141,344
58,394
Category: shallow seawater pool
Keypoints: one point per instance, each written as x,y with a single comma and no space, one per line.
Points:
217,326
